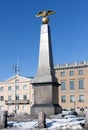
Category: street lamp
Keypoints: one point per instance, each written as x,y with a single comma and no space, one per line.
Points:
15,68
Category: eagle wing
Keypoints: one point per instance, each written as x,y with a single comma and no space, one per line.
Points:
39,14
49,12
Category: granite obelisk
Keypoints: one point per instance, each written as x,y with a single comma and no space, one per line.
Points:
45,83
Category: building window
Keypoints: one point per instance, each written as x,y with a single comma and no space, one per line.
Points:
81,98
25,97
1,88
17,97
63,98
71,85
9,88
25,87
1,107
80,72
9,107
25,107
71,73
72,98
9,98
81,84
63,73
63,85
1,98
17,87
17,107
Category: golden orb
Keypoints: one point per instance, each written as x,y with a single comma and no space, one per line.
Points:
45,20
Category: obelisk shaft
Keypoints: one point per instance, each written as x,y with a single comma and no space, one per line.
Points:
45,71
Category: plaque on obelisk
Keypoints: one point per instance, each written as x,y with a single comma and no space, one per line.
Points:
45,83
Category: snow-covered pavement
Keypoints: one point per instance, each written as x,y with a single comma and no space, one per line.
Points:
69,122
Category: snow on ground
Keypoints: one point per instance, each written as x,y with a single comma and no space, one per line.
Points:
72,122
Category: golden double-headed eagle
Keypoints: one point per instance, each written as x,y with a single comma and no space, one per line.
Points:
44,14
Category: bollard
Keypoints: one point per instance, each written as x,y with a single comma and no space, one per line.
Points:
3,119
86,117
41,120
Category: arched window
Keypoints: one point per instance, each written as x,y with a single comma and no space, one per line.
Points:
25,97
17,97
9,88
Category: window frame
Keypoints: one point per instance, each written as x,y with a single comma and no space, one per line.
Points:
63,83
17,97
63,99
1,88
72,85
9,88
72,98
80,72
62,73
25,106
81,98
1,98
9,97
81,83
17,106
71,73
25,95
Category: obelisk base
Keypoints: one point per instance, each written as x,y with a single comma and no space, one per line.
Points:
48,109
45,98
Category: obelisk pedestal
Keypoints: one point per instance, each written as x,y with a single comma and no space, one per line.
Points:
45,83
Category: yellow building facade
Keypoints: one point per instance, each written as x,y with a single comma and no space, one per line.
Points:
73,91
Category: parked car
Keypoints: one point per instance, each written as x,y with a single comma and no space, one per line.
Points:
73,113
69,113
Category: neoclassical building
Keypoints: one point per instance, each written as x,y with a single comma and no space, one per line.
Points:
16,93
73,92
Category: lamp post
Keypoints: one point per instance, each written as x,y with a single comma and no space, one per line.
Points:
15,68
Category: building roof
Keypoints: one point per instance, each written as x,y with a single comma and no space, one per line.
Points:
71,65
16,77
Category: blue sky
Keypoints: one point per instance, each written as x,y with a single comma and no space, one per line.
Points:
20,33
